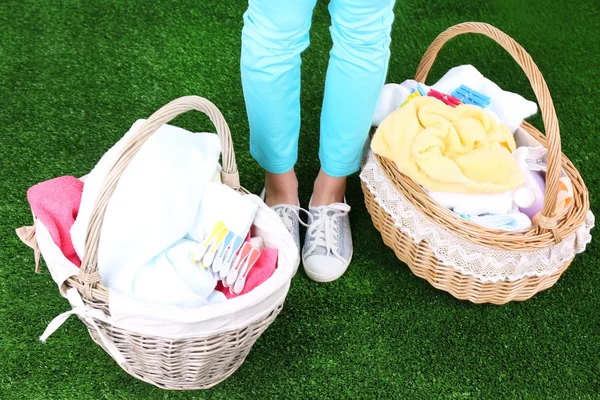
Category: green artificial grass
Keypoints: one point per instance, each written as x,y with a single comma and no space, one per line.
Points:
75,74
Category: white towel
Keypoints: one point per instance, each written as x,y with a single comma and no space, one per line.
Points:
391,97
154,204
476,204
221,203
510,107
506,107
511,222
171,278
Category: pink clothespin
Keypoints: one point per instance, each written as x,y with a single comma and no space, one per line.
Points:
203,247
228,259
240,282
239,262
446,98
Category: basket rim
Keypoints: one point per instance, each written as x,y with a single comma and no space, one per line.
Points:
447,277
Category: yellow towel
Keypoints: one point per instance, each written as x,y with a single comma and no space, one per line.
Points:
445,149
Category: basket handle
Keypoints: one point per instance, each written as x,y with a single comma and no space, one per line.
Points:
89,267
548,216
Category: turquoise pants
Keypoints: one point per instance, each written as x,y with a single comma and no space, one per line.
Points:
275,33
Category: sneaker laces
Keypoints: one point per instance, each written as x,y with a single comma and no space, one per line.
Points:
288,213
324,231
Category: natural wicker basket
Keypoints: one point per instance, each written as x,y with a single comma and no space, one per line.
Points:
551,229
182,364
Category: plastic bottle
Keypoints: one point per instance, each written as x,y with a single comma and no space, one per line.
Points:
530,197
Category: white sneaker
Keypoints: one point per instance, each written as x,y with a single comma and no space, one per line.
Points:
290,216
328,245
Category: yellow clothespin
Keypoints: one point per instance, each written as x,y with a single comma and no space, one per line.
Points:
203,246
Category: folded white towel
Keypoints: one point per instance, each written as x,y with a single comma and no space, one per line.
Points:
476,204
391,97
171,278
511,222
154,204
506,107
221,203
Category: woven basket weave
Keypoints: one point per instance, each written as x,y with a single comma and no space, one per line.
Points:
551,229
181,364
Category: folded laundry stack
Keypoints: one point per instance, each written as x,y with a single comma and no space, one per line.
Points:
168,207
456,139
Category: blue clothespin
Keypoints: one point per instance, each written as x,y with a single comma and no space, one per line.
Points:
217,263
421,90
470,96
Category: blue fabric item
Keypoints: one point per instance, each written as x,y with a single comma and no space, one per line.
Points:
274,35
511,222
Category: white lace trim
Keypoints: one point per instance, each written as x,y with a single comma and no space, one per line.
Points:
470,258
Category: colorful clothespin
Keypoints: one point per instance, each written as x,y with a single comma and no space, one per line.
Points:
239,262
470,96
414,94
233,248
421,90
446,98
240,282
203,246
209,256
220,253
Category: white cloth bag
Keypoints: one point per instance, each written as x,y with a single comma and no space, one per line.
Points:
174,322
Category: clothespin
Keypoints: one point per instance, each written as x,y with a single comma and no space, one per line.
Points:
233,248
203,246
421,90
240,282
414,94
470,96
218,261
239,262
535,159
446,98
209,257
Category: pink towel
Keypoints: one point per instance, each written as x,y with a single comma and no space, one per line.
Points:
56,204
262,270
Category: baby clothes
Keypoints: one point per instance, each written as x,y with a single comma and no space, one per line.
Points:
222,203
56,203
392,96
172,278
261,271
506,107
475,204
510,107
154,203
511,222
461,150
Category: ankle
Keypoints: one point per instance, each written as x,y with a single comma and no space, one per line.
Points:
281,188
328,189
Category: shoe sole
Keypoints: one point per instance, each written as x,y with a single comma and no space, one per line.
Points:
320,278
